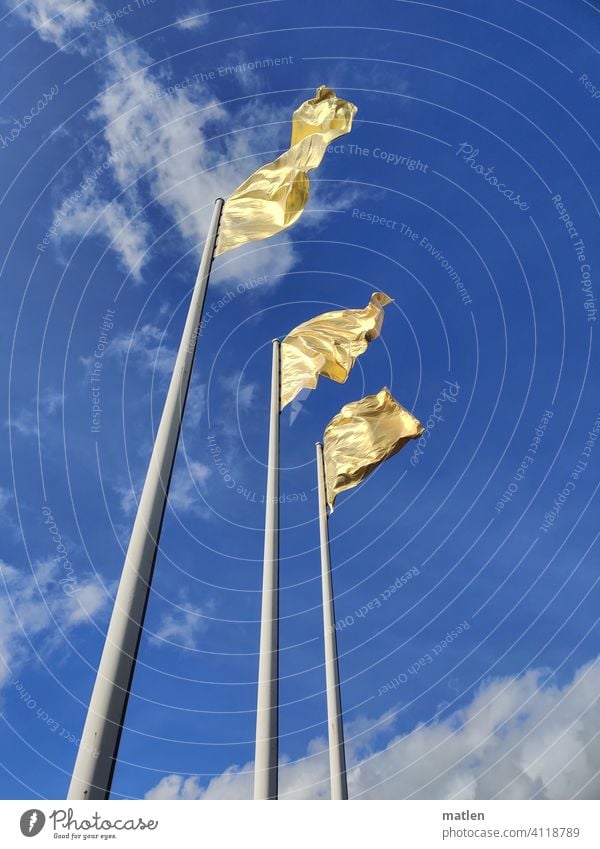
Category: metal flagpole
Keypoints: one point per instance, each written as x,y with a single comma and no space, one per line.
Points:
267,728
97,754
337,755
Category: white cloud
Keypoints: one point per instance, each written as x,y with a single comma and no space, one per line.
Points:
192,20
329,199
519,737
51,401
187,150
182,625
195,405
8,516
24,422
36,605
56,20
178,787
128,497
236,400
174,158
110,219
184,494
242,394
146,348
272,258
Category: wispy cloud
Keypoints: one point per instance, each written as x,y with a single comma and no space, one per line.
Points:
35,606
175,158
184,493
51,401
195,405
192,20
187,152
145,348
182,625
190,148
241,394
188,481
114,221
128,495
5,498
25,420
57,21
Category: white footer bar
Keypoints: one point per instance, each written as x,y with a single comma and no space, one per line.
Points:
297,825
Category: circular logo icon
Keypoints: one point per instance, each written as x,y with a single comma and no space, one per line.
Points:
32,822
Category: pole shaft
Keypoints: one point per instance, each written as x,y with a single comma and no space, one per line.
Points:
265,761
337,755
96,757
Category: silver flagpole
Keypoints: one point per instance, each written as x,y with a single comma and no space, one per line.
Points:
267,729
97,754
337,755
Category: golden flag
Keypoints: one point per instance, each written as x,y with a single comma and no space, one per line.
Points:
328,344
273,198
363,435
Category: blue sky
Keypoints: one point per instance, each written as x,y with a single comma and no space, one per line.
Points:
477,677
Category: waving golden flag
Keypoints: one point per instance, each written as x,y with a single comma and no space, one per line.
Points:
363,435
328,344
273,198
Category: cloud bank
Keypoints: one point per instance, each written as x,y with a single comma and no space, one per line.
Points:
520,737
